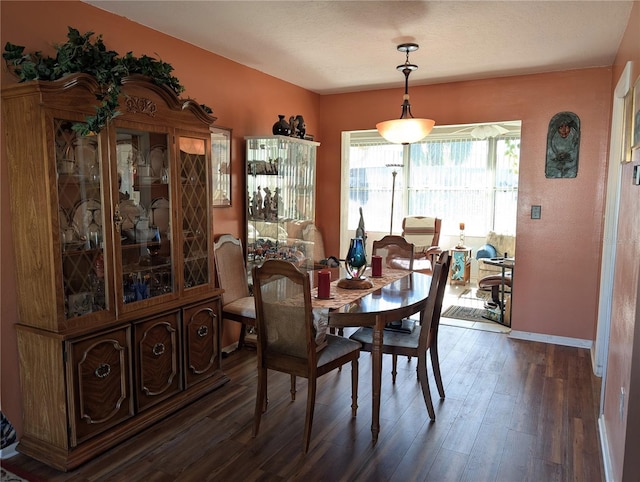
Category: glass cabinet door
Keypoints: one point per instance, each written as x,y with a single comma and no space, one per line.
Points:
194,176
143,211
81,218
280,197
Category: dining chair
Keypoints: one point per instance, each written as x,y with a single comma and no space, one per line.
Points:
424,337
397,253
289,340
424,233
237,303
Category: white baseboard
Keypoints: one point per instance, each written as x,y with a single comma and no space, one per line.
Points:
9,451
554,340
604,449
598,369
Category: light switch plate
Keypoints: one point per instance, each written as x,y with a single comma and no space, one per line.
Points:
536,212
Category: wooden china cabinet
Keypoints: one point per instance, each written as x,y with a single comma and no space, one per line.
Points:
118,312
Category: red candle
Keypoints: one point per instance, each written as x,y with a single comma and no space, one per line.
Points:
324,283
376,265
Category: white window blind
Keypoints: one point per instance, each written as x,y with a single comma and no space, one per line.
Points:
449,174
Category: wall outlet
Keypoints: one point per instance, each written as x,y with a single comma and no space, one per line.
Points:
536,212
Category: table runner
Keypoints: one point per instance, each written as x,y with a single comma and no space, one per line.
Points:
342,296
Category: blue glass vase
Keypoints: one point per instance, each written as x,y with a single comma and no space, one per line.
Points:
356,260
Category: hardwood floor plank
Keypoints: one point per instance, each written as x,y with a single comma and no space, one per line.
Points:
518,457
514,410
448,466
464,430
527,417
500,409
553,430
542,470
486,454
417,460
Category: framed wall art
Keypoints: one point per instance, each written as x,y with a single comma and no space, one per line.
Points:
635,123
221,157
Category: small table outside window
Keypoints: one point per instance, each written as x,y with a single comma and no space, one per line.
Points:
460,273
505,264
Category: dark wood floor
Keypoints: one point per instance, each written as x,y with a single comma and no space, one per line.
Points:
514,411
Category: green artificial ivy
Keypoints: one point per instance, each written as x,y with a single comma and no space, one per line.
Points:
80,55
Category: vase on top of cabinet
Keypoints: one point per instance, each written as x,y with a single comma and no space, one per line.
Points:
115,275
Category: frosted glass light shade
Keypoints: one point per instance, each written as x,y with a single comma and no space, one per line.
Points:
405,131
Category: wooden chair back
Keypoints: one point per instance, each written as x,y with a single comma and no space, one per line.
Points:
284,318
395,251
422,231
237,302
429,331
230,268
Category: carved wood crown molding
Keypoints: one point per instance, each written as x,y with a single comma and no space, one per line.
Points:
141,105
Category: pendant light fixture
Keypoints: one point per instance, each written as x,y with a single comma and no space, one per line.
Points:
406,129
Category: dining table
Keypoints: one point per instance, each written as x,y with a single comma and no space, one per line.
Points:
395,295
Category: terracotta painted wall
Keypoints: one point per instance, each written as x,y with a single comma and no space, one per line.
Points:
623,363
241,98
556,279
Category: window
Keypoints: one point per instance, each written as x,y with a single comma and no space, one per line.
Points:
451,174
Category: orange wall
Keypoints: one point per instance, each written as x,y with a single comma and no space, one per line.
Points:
556,279
623,363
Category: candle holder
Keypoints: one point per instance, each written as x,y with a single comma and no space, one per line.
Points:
461,241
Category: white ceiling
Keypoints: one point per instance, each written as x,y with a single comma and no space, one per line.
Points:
343,46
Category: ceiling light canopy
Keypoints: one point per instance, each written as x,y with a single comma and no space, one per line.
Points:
406,129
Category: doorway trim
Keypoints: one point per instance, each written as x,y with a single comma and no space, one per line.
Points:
610,233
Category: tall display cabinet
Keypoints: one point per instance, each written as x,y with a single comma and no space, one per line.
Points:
281,196
118,312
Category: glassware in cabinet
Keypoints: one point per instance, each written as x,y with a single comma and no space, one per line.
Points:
143,211
280,173
81,220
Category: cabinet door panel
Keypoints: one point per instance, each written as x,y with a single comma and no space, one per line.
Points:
157,355
281,190
195,202
202,341
99,369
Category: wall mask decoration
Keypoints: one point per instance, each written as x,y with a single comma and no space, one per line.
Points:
563,146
